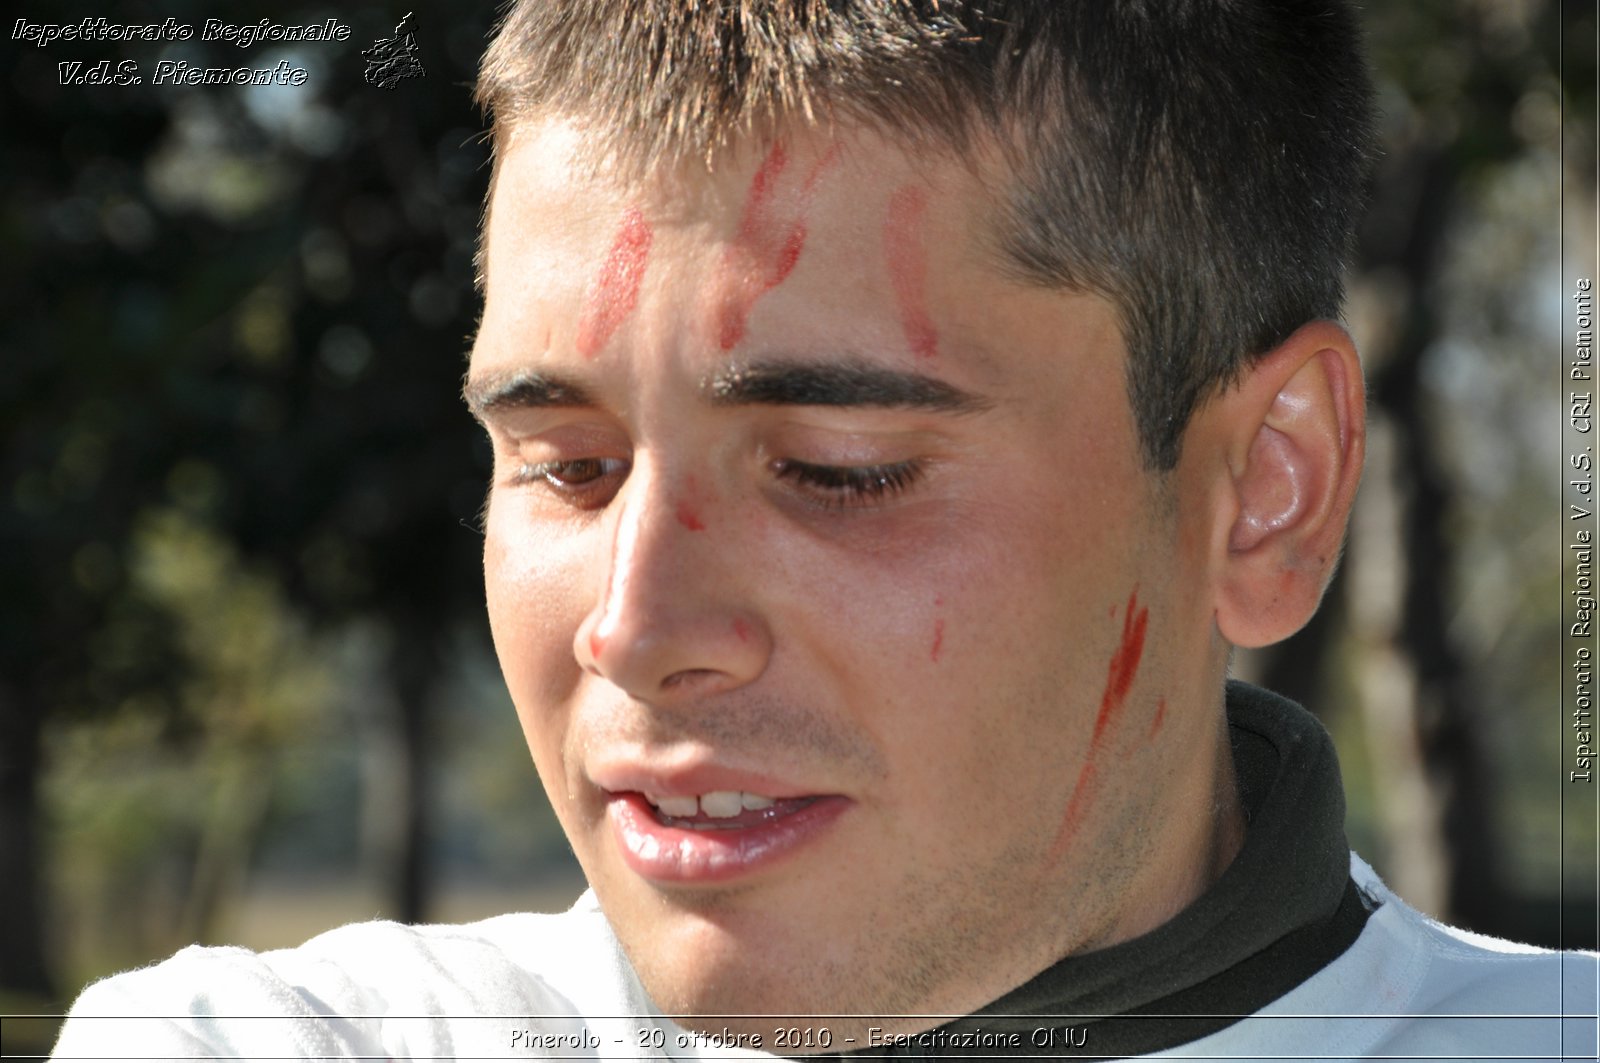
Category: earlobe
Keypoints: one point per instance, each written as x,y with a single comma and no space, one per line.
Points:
1293,434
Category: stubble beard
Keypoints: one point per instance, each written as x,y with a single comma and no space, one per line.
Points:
899,977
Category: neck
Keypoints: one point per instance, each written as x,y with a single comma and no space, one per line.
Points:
1190,851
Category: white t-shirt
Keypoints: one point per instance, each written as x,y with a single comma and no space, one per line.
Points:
558,986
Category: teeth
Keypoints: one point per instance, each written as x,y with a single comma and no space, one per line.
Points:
681,807
720,804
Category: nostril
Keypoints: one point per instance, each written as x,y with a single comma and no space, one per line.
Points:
687,676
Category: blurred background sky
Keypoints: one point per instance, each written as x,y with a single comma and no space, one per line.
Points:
246,687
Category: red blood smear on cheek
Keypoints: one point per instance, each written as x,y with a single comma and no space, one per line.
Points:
615,290
938,641
1161,715
1124,665
1074,814
1119,678
908,266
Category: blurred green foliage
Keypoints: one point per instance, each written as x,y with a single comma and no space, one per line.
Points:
238,490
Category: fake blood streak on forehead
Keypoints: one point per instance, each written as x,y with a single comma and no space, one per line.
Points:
766,247
1119,679
613,293
906,254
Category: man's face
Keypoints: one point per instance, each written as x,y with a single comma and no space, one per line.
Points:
800,503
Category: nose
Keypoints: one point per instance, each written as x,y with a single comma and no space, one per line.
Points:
675,620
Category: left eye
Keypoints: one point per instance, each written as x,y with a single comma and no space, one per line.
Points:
839,486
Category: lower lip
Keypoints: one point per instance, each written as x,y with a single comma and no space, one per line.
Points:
680,855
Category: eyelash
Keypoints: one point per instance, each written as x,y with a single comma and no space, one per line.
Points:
831,486
843,486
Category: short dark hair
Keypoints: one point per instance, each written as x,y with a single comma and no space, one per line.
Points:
1201,163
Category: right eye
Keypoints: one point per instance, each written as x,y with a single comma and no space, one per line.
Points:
585,483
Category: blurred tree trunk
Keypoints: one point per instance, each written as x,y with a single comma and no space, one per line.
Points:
1417,701
236,813
415,674
1387,682
396,775
23,969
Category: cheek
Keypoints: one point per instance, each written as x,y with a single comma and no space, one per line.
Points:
988,644
932,624
534,590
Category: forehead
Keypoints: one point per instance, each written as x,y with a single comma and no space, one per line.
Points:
845,222
558,167
842,246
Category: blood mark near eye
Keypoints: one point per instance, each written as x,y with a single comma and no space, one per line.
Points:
1119,678
689,518
904,249
597,641
767,245
614,292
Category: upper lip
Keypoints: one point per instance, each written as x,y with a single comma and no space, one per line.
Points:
685,778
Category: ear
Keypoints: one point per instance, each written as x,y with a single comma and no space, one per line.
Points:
1290,438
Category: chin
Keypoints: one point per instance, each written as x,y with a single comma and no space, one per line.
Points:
704,966
758,1002
788,988
704,991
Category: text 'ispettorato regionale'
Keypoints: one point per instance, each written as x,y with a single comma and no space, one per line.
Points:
96,30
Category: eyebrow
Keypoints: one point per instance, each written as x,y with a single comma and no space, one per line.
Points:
521,390
778,383
843,384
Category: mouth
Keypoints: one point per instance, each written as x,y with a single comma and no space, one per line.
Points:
717,836
722,809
